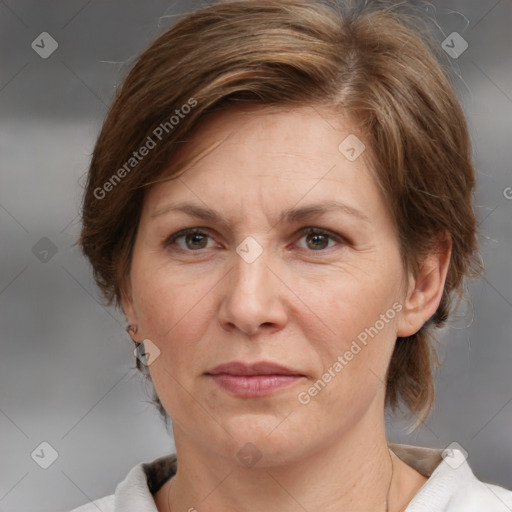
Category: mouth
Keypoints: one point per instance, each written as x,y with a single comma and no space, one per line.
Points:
254,380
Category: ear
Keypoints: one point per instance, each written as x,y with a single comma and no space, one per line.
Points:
425,289
129,311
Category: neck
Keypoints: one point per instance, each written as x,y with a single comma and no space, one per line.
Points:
354,473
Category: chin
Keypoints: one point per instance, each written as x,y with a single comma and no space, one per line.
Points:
262,439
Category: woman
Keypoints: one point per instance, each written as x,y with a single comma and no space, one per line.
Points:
280,200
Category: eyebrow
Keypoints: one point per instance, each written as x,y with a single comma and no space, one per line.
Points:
288,215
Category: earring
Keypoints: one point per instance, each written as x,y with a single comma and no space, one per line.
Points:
132,329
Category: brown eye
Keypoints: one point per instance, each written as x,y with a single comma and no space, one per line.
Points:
319,239
191,240
196,241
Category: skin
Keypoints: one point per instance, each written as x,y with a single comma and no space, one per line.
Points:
300,304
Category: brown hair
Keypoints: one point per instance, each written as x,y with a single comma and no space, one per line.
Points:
368,64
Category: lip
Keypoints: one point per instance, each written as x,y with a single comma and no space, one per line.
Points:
248,369
253,380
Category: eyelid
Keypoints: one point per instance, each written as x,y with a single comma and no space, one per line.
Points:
183,232
321,231
313,230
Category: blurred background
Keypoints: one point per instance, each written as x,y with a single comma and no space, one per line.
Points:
70,398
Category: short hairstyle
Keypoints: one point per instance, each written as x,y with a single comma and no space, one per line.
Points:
368,65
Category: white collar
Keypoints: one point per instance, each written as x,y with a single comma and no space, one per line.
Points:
451,485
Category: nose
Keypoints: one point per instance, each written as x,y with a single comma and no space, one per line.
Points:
254,297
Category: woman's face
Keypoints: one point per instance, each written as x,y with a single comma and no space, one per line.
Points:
293,260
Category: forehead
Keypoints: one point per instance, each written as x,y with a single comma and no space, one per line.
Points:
285,138
252,166
256,129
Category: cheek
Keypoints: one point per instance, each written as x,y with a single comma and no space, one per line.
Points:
174,313
173,316
349,303
161,299
361,314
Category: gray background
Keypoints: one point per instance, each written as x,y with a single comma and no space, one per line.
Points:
67,368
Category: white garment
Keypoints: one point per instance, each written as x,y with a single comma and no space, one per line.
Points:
451,486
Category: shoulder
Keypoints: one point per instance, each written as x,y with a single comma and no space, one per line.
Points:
135,492
460,493
105,504
451,484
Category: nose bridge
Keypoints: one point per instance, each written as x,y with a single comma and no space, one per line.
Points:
251,270
252,296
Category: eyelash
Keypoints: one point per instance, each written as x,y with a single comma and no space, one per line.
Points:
198,231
